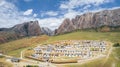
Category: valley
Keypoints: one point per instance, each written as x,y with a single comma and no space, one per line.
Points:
44,39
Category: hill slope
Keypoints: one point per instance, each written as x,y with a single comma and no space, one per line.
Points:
110,36
15,47
9,48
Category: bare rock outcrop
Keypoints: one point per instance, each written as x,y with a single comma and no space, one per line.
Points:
31,28
99,20
26,29
47,31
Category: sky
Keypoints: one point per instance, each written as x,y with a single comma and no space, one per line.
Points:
49,13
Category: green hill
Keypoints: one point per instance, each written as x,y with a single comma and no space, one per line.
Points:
17,45
109,36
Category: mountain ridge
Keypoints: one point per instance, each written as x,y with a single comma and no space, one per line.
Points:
103,21
107,18
25,29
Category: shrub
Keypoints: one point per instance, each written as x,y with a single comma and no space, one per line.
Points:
116,45
32,66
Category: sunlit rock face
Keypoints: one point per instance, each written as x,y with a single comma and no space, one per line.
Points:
109,18
47,31
31,28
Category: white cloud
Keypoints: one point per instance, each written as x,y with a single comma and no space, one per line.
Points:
49,13
51,23
86,7
34,15
10,15
71,14
27,0
2,2
28,12
70,4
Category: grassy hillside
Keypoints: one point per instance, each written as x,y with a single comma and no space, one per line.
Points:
3,63
109,36
15,47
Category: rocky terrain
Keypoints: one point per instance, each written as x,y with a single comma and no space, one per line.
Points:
26,29
107,20
47,31
18,31
31,28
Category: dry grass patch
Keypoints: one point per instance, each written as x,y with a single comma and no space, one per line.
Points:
3,63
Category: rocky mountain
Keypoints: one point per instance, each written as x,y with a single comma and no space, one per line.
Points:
107,20
31,28
47,31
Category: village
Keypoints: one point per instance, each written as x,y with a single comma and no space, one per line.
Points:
79,49
61,52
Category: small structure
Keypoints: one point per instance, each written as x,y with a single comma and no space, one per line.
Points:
37,50
15,60
1,54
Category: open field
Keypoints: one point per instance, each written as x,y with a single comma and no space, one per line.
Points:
14,48
3,63
94,63
109,36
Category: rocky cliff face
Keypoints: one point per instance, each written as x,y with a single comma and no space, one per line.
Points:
31,28
106,19
47,31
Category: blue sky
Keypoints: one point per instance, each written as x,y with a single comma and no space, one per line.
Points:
49,13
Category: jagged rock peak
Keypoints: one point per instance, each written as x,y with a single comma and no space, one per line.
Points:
91,20
30,28
47,31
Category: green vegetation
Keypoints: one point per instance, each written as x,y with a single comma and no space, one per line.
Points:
15,47
93,63
3,63
116,45
1,56
31,66
108,36
62,60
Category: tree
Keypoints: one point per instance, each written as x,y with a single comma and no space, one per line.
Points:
116,45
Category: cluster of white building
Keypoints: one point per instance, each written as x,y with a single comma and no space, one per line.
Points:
71,48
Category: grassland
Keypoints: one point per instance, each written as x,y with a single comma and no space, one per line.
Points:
108,36
3,62
15,47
